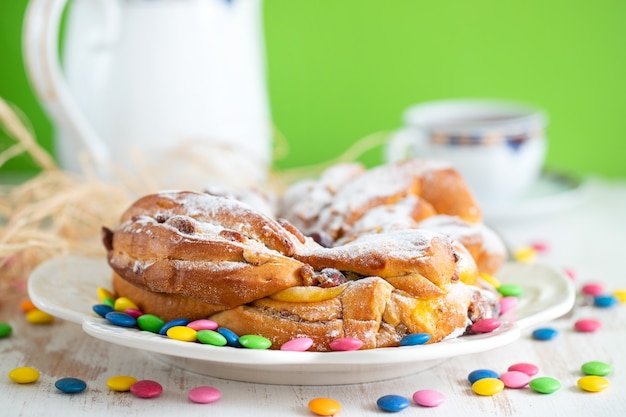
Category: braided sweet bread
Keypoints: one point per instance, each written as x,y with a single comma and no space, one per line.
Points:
195,255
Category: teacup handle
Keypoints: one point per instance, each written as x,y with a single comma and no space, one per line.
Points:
403,144
40,42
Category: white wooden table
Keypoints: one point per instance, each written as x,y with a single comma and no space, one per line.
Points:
589,238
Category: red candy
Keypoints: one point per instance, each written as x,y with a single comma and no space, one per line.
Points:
587,325
146,389
527,368
593,289
486,325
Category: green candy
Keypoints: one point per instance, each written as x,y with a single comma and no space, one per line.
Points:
510,290
253,341
150,323
596,368
545,385
5,330
211,337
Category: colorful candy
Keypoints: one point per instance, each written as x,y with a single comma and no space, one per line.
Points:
486,325
515,379
593,289
5,329
544,333
605,301
27,305
204,395
70,385
299,344
587,325
121,383
510,290
146,389
231,337
172,323
203,324
211,337
39,317
545,385
479,374
620,295
490,279
122,304
392,403
428,398
346,344
525,254
102,309
150,323
596,368
527,368
24,375
507,304
120,319
182,333
487,386
415,339
254,341
593,383
324,406
104,294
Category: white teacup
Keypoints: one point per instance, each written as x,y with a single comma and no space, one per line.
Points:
498,146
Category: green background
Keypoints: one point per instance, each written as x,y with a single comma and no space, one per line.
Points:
339,70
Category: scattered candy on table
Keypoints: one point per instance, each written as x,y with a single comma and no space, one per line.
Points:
479,374
605,301
593,383
392,403
146,389
593,289
204,395
527,368
515,379
544,333
121,383
428,398
5,329
545,384
597,368
487,386
70,385
525,254
324,406
37,316
587,325
24,375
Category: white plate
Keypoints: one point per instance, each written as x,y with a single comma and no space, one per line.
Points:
66,287
551,193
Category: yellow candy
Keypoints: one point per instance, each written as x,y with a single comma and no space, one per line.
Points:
487,386
526,254
122,304
593,383
24,375
307,294
103,294
324,406
182,333
490,279
37,316
620,295
121,383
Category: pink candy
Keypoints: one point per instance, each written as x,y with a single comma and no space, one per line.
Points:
486,325
346,344
515,379
299,344
507,304
203,324
593,289
204,395
587,325
428,398
527,368
146,389
541,246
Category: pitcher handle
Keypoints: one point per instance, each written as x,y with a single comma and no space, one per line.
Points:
40,39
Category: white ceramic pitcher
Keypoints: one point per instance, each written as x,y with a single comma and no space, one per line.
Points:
171,89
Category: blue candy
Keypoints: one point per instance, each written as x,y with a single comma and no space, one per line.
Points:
481,374
102,309
121,319
173,323
604,301
544,333
231,337
70,385
415,339
393,403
